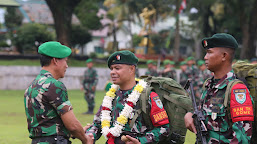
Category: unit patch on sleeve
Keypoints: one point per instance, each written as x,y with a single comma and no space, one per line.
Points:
240,95
241,107
160,116
158,102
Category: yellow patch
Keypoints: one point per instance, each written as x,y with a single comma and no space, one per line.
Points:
160,116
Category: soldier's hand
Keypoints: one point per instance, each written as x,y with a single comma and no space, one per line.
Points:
82,89
86,127
189,122
93,88
131,140
90,138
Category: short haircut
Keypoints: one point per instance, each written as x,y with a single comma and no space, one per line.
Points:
45,60
231,53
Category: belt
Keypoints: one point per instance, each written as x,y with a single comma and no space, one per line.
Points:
51,140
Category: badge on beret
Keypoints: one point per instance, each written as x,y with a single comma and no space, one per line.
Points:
158,102
205,43
118,57
240,95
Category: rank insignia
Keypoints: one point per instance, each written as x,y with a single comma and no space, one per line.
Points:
118,57
240,95
158,102
205,43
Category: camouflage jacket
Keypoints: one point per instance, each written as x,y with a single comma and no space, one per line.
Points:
217,121
139,130
193,73
45,100
151,72
203,76
183,78
90,79
170,74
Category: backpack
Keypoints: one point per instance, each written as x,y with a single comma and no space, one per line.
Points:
175,100
248,74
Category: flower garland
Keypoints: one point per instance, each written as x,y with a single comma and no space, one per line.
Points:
111,133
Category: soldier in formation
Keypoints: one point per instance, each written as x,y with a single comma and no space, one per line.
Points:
89,85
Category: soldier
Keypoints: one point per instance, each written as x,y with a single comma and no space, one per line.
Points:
183,76
169,70
120,104
224,125
89,85
204,73
49,112
152,68
192,72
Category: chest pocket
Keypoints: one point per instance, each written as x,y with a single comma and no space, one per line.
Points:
216,119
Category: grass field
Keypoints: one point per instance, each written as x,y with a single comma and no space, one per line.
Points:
13,125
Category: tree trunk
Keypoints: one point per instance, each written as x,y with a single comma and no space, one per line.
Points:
130,33
198,48
62,14
245,39
251,51
115,43
245,31
177,36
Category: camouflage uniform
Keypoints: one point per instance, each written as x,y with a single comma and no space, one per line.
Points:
193,73
151,72
170,74
45,100
183,78
90,80
203,75
139,130
219,129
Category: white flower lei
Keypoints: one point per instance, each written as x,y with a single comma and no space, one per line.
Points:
124,114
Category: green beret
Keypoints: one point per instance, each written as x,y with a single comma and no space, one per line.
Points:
200,62
122,57
166,62
89,60
182,63
190,58
220,40
149,62
172,62
54,49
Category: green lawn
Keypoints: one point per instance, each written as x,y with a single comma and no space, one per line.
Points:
13,125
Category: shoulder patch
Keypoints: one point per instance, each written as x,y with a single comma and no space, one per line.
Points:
158,101
240,95
241,107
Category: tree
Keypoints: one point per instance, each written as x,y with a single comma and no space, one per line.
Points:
80,36
62,13
87,11
13,19
30,36
246,14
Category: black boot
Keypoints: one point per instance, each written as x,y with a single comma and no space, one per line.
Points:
90,111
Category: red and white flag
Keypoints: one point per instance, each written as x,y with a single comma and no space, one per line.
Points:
182,6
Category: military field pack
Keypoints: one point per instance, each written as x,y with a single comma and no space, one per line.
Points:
247,73
175,100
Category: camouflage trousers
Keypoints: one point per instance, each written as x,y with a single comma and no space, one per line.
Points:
90,98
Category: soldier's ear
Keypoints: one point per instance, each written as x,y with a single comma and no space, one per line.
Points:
54,60
132,69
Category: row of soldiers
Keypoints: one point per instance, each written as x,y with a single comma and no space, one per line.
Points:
188,68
